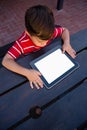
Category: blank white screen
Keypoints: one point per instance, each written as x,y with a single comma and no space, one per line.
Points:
54,65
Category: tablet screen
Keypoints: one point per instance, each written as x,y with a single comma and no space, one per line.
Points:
54,66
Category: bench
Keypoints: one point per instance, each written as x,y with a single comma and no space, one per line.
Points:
61,105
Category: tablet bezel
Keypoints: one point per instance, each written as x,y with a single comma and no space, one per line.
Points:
47,85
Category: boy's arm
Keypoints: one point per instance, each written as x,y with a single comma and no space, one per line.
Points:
66,43
32,75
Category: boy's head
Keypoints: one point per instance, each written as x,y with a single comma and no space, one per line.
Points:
39,21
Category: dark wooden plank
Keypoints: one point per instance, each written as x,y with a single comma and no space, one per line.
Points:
65,114
79,40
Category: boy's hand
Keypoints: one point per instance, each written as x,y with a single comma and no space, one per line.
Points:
34,77
66,43
69,50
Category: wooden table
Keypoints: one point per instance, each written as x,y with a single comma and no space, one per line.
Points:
63,107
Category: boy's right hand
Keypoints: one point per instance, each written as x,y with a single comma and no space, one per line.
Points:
34,77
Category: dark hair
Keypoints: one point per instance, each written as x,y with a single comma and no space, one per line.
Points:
39,21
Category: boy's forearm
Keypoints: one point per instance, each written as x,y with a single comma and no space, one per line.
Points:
13,66
66,36
66,44
32,75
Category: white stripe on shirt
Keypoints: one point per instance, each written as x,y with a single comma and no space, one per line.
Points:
29,47
56,33
25,40
20,46
16,50
11,54
61,30
22,37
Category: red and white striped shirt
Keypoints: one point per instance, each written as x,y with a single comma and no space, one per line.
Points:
25,45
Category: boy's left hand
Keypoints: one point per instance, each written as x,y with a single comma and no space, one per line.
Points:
69,50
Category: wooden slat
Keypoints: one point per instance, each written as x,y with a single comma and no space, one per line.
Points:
66,114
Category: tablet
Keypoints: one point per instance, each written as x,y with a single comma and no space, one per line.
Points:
54,66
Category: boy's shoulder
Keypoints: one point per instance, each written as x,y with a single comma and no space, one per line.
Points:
24,37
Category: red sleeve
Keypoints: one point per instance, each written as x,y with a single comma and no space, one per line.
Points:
16,50
58,32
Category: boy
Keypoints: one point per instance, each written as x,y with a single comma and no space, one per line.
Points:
40,30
